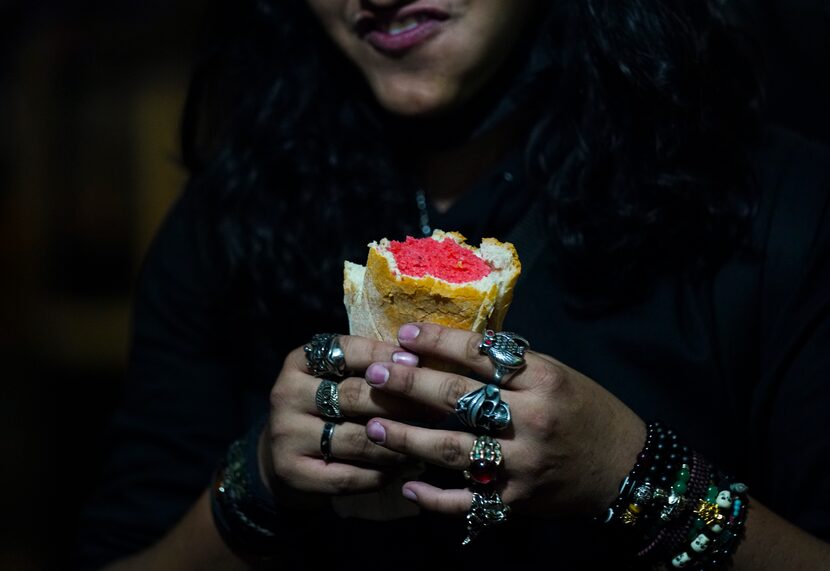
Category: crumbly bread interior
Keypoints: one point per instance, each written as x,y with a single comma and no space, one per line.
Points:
379,298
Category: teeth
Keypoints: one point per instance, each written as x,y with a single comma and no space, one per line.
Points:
401,26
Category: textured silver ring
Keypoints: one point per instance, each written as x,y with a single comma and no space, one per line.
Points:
327,399
324,356
506,350
483,408
486,510
325,441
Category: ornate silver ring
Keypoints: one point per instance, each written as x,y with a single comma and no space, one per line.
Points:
487,509
324,356
327,399
506,350
325,441
483,408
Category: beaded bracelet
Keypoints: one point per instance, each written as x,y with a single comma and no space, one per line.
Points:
244,512
667,502
718,527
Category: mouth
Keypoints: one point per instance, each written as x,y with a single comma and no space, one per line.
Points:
397,32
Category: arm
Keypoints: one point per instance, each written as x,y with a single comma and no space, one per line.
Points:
571,443
193,544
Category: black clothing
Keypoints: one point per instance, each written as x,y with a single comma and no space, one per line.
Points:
738,363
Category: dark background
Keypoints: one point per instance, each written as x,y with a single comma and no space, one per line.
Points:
90,98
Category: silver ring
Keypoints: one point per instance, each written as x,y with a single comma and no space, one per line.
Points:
325,441
483,408
487,509
324,356
327,399
506,350
485,461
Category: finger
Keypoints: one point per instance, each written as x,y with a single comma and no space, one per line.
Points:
444,448
453,345
436,389
350,443
450,502
359,353
336,478
357,399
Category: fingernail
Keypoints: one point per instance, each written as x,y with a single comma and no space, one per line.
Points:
410,495
405,359
377,375
376,432
408,332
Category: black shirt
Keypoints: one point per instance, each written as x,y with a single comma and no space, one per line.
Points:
739,364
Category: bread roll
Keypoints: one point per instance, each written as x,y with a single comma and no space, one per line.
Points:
449,283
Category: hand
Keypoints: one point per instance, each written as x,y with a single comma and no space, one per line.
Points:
569,444
290,456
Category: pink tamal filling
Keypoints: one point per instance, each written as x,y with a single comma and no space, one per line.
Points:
445,260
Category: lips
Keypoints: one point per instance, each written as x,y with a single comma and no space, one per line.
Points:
398,32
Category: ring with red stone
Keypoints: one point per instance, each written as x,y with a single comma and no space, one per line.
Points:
485,461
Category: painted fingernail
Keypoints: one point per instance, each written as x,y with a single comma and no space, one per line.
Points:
410,495
408,332
404,358
376,432
377,375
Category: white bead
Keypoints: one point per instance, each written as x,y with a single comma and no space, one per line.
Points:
681,560
724,500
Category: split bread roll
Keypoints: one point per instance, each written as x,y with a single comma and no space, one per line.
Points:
439,279
445,281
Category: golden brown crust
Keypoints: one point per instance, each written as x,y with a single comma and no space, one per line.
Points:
396,300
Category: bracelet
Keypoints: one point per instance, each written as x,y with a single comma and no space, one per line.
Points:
675,508
243,510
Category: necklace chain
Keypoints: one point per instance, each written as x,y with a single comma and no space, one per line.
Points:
421,201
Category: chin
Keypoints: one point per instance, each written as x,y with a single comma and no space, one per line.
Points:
416,101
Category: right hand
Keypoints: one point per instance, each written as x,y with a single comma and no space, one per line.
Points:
289,453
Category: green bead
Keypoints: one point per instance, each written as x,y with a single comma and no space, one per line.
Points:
679,488
712,494
683,475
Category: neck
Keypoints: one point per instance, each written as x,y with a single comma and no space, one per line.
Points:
445,174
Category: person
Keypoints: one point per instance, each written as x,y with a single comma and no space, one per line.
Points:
671,408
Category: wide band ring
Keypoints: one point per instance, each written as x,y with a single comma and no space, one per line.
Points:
506,351
325,441
327,399
486,510
484,409
324,356
485,461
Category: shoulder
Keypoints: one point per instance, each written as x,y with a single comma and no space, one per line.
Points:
788,166
793,223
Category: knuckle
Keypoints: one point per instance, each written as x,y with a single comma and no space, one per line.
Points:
454,388
349,395
357,443
541,420
471,352
450,451
405,377
436,336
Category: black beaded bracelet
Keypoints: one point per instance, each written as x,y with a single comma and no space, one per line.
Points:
243,510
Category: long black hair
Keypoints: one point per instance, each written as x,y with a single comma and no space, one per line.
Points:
640,147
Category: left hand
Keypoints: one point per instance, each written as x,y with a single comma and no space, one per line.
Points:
569,444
